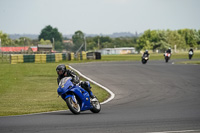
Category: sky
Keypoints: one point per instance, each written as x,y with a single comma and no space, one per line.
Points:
98,16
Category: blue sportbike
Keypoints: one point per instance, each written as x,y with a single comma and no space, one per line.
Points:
77,99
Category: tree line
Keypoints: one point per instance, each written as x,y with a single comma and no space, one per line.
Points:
163,39
150,40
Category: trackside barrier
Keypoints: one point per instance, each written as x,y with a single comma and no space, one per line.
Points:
29,58
14,59
80,56
94,55
64,57
43,58
50,57
40,58
20,59
58,57
72,56
84,55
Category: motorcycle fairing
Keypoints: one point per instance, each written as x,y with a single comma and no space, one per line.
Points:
68,89
82,97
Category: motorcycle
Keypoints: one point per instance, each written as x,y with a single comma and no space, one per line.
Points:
167,57
76,98
145,58
190,55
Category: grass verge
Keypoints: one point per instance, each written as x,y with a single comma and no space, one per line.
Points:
32,88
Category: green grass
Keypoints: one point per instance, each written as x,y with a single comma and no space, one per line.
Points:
32,88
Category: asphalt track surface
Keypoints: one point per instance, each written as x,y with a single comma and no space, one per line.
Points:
156,97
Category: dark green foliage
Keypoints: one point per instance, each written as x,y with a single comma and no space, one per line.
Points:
163,39
48,33
78,40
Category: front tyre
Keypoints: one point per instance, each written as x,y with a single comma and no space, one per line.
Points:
190,57
166,59
73,106
144,61
96,106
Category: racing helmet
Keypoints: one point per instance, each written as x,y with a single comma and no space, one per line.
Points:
60,69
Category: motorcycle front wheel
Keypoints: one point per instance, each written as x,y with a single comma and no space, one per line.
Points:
96,106
74,107
144,61
166,59
190,57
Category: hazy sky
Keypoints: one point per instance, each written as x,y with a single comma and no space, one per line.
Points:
98,16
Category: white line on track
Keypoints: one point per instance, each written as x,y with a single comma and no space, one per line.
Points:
112,95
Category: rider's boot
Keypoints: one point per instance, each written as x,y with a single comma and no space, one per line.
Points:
93,97
85,86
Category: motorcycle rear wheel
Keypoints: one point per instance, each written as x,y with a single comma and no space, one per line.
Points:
96,106
74,107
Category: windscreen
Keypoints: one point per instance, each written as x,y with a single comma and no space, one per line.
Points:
64,80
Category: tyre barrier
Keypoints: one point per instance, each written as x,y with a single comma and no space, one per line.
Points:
46,58
94,55
37,58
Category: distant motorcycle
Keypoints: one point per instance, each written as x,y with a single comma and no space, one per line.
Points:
77,99
145,58
167,57
190,55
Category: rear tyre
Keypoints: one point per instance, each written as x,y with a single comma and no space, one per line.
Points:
96,106
74,107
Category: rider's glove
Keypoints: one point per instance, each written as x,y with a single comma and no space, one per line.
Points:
75,79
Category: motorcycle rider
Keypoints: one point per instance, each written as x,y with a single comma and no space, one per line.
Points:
191,50
63,72
169,50
146,54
